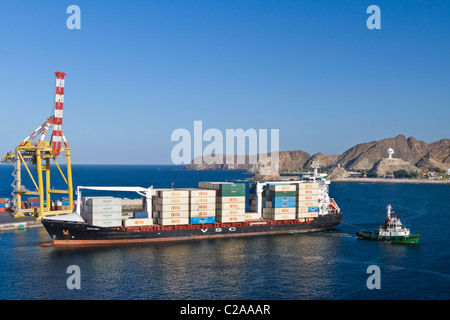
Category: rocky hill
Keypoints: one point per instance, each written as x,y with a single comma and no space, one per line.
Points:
410,154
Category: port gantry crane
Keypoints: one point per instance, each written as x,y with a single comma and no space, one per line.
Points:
39,153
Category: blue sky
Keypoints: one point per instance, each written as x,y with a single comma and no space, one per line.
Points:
138,70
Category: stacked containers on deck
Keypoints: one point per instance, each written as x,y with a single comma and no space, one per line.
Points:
5,204
230,200
308,200
202,206
102,211
172,207
280,202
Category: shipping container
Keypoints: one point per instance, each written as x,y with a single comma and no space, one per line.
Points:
205,213
281,193
172,193
172,207
230,212
283,204
202,220
230,200
307,192
140,215
282,216
201,193
85,199
252,216
137,222
301,204
106,223
101,215
103,201
303,186
281,199
172,221
202,207
102,209
171,200
227,218
282,187
280,210
195,200
231,205
307,215
308,197
172,214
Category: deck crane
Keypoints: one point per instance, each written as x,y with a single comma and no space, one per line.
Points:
39,153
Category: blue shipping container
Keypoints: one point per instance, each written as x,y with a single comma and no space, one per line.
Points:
283,199
313,209
65,203
202,220
283,205
2,205
140,215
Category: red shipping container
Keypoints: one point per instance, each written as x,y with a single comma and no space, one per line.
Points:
2,209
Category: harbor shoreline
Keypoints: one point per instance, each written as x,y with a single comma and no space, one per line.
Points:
383,180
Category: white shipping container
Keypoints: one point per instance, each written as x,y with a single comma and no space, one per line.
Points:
302,209
230,212
239,218
203,200
307,192
282,187
307,215
172,221
283,216
101,215
102,209
303,186
302,204
281,210
230,199
103,201
201,193
169,200
171,207
252,216
308,197
106,223
172,193
231,205
172,214
137,222
204,213
85,199
202,207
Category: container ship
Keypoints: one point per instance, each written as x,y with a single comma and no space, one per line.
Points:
213,210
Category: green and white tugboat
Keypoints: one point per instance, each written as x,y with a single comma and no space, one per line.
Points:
393,231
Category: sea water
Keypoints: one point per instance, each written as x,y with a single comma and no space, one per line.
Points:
329,264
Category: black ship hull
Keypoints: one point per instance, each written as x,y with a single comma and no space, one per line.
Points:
67,233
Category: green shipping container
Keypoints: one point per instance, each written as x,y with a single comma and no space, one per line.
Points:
231,193
232,186
281,193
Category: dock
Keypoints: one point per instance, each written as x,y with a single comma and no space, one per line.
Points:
9,223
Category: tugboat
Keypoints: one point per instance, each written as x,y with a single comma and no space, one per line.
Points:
393,231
